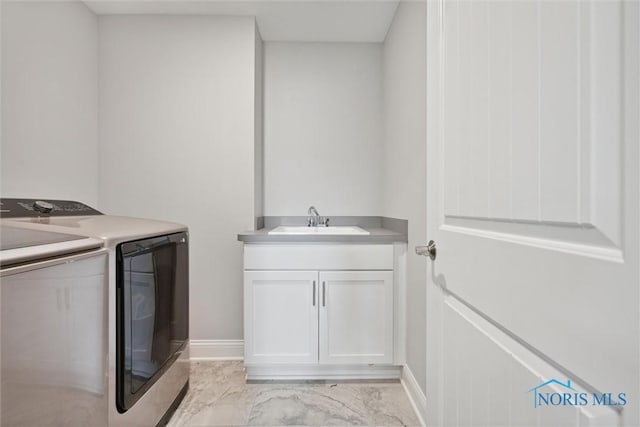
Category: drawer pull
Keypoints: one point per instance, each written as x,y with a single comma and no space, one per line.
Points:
324,295
314,293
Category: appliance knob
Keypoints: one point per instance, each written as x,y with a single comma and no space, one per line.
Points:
43,207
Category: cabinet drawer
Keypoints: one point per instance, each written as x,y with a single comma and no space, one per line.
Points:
318,257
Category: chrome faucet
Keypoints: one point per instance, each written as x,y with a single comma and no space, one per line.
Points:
314,219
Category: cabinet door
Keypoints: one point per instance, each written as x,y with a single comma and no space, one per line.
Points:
356,317
281,316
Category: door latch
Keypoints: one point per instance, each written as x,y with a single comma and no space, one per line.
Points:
429,250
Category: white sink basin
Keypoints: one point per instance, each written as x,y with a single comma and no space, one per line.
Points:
337,230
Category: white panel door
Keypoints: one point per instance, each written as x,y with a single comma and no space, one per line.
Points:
281,316
356,317
533,188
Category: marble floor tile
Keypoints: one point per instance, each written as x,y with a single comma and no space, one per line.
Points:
309,405
388,406
219,396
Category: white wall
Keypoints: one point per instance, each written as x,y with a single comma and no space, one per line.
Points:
49,101
405,161
177,120
323,109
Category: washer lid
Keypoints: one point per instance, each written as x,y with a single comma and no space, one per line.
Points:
14,237
19,245
111,229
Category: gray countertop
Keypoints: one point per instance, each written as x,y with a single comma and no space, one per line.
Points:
381,230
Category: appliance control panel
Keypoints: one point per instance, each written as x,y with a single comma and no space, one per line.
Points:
33,208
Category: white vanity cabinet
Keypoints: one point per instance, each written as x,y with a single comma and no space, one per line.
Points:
320,307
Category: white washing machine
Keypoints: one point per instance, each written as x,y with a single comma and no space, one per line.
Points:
146,303
54,334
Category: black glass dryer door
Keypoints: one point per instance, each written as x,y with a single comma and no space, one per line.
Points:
153,312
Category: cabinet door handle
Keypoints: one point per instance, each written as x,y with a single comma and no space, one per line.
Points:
314,293
324,295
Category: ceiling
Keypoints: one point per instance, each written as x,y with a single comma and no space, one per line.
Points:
293,20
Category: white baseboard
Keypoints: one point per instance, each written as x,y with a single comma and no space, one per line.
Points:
416,396
217,349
